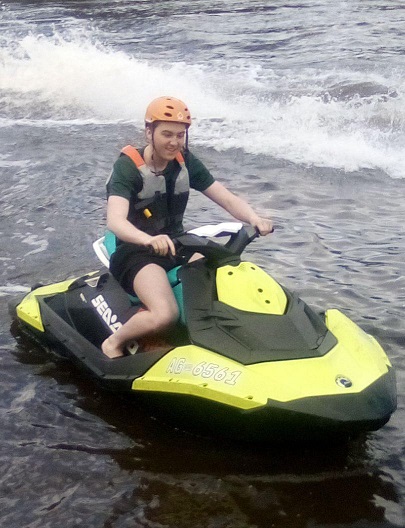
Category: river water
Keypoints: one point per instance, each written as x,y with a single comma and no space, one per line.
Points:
299,108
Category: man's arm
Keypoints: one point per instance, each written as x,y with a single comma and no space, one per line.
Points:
237,207
117,222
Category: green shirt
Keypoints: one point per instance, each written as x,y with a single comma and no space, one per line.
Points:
126,180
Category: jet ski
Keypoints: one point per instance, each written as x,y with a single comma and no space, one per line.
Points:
248,359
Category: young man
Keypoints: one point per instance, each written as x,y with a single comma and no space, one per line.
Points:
147,195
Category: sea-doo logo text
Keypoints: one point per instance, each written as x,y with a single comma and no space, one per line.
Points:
105,311
343,382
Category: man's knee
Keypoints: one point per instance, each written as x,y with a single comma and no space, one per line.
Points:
166,315
171,314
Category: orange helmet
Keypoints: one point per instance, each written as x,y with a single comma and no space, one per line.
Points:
168,109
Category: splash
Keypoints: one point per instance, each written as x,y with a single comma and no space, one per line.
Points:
348,123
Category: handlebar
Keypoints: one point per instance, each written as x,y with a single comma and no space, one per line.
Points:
189,243
195,241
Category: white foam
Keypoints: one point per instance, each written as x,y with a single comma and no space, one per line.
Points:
55,81
12,289
33,240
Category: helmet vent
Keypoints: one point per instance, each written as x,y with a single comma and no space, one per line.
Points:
168,114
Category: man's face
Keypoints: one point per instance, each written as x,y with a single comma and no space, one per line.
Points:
167,139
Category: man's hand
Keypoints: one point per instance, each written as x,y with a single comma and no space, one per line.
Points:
162,245
264,226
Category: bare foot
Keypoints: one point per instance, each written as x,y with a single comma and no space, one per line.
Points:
110,350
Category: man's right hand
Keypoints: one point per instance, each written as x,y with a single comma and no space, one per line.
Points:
162,245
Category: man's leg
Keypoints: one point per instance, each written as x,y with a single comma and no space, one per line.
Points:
154,291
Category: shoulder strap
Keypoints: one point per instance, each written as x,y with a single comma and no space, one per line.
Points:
132,153
179,158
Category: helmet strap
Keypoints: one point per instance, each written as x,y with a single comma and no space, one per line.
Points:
186,142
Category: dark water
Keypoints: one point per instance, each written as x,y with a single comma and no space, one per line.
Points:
299,108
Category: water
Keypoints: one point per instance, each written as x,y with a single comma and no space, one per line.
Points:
299,107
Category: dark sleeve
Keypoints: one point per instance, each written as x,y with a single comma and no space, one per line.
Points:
200,176
125,179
